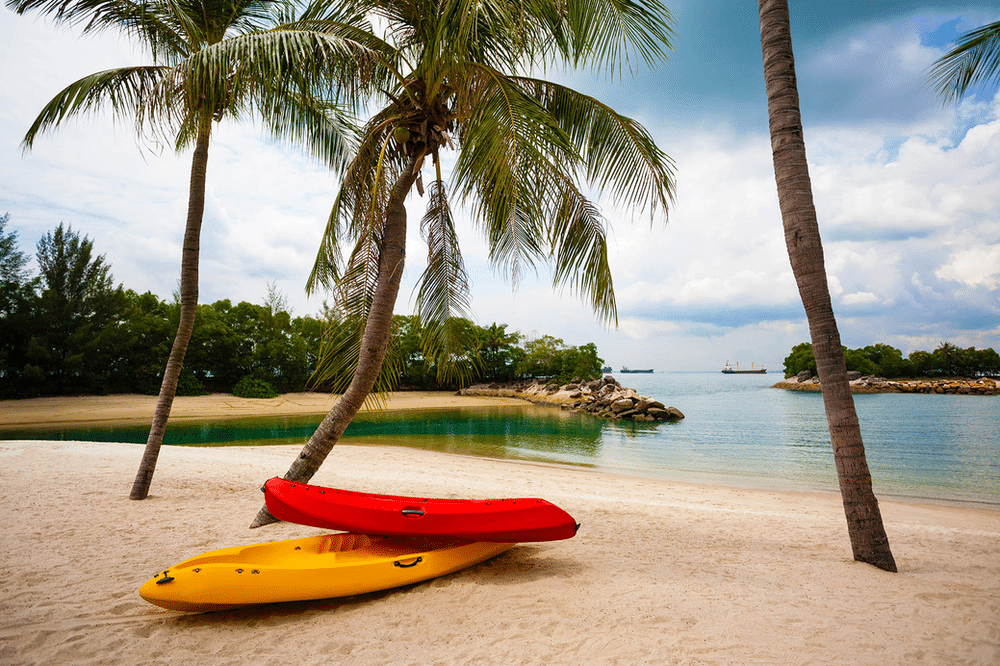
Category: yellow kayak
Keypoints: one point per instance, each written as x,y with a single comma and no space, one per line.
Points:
321,567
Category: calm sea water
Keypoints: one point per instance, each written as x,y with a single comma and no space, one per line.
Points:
738,431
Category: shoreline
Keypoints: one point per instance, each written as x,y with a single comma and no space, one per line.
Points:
660,572
135,408
35,416
955,386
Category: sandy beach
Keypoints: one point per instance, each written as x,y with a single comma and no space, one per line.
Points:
660,573
132,408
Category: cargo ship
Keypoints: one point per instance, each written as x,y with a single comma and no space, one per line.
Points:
625,369
730,370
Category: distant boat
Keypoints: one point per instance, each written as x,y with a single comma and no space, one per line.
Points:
625,369
730,370
606,368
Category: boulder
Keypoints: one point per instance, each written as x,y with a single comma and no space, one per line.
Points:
619,406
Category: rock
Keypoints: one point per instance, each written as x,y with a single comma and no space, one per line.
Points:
852,375
604,398
803,376
669,414
619,406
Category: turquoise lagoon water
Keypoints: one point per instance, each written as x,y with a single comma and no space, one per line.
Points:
738,431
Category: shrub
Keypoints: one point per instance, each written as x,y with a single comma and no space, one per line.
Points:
250,387
188,385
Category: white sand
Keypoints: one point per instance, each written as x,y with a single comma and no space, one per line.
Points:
660,573
132,408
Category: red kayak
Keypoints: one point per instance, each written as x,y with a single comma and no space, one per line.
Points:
495,520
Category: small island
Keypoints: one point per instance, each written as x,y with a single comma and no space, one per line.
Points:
804,381
880,368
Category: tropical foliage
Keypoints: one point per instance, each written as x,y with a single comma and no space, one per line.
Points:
973,60
886,361
272,60
72,331
462,80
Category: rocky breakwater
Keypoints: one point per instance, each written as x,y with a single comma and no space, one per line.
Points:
604,398
804,381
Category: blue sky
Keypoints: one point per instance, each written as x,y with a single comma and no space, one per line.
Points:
907,192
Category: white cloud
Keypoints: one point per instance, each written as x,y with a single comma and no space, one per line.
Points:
974,267
908,205
860,298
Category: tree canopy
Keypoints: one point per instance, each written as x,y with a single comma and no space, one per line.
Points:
72,331
886,361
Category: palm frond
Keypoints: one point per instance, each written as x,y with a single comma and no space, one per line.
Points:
579,248
450,348
358,208
326,130
443,288
338,360
507,141
443,293
615,34
975,59
144,21
619,154
142,93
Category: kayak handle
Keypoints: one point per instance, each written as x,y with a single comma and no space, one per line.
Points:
165,579
413,512
414,563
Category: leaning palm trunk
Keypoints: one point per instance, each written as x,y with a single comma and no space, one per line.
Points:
189,307
805,252
374,342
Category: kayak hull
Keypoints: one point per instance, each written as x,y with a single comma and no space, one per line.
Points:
494,520
321,567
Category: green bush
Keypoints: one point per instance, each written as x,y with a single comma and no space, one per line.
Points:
189,385
250,387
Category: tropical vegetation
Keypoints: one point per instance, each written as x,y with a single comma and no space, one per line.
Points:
974,60
883,360
71,331
275,61
460,80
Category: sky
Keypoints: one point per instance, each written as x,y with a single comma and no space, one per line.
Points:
907,192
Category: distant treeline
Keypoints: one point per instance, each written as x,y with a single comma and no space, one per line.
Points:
69,331
884,361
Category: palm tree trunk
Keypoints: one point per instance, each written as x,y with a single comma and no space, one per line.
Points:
374,342
189,306
805,252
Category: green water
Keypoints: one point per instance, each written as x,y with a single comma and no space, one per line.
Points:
738,432
522,432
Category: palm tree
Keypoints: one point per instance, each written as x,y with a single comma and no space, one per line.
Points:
805,251
523,145
213,59
975,59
